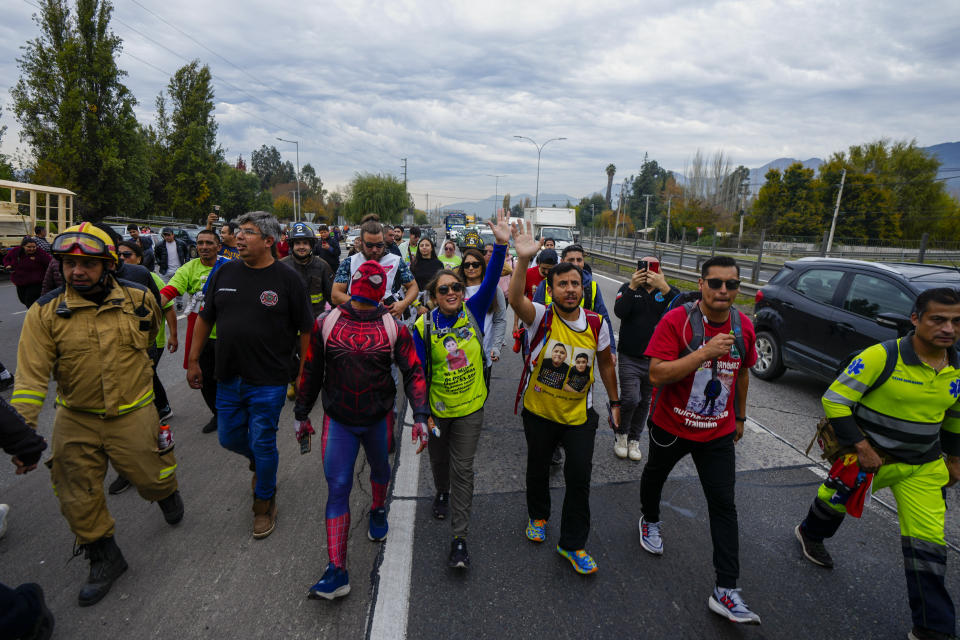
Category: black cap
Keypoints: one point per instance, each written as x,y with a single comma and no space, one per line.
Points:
548,256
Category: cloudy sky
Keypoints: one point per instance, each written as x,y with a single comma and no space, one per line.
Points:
448,84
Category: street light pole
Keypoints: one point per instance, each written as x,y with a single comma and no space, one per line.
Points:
296,211
496,190
539,147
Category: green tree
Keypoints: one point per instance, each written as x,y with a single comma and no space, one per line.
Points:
313,182
75,112
240,192
506,202
267,164
590,208
192,142
383,195
283,208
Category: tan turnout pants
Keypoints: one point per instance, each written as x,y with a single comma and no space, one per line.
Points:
82,445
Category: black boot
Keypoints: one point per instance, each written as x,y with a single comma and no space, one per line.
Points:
106,565
172,507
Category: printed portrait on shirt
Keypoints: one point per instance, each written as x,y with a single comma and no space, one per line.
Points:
711,389
579,375
555,364
456,357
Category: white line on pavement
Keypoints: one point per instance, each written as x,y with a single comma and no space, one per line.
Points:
393,593
17,313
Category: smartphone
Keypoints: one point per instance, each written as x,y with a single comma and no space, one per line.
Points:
643,265
389,300
305,444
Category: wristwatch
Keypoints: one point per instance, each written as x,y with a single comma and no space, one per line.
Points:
741,418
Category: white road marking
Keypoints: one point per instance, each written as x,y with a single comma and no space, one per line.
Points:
17,313
389,609
614,281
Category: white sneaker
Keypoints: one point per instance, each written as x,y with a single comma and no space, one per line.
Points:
620,445
4,510
634,450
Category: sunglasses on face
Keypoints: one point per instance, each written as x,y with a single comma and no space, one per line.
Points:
374,245
444,289
126,254
716,283
471,265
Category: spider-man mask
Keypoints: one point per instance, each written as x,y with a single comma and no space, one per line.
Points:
369,282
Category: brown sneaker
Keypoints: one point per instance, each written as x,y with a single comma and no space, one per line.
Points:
264,516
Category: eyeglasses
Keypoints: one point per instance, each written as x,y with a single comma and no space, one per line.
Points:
716,283
471,265
126,254
248,232
444,289
374,245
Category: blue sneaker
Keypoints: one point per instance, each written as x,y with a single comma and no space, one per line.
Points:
650,537
729,604
580,559
378,525
536,530
335,583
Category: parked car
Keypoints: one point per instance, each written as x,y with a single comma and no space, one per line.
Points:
815,314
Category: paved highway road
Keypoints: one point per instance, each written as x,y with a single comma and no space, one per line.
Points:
208,578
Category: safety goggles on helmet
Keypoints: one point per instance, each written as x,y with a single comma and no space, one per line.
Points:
80,243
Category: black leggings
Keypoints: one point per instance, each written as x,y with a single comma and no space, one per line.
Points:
159,393
716,466
28,293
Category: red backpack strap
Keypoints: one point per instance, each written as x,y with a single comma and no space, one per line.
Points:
594,320
540,335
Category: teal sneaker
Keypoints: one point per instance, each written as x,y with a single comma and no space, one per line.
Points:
536,530
580,559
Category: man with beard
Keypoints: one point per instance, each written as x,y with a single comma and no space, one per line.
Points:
553,416
685,370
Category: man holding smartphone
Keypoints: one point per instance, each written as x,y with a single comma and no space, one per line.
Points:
640,304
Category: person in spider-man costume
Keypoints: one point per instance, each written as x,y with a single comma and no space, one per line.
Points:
353,371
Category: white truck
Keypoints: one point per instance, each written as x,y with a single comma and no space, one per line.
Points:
553,222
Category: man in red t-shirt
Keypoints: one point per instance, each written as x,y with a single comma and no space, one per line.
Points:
699,409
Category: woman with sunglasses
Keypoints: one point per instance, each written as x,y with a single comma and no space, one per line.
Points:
425,263
449,257
472,271
457,396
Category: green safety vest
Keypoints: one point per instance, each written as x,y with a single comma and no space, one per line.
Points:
455,370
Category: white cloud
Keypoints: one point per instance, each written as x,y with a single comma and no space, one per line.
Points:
447,85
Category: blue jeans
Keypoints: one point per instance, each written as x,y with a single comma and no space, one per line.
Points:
247,418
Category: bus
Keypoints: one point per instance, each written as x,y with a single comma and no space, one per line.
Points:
454,221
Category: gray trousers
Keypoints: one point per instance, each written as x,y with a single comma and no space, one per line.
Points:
635,394
451,460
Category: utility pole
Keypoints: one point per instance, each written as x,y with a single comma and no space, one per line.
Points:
743,208
404,167
836,211
646,215
296,209
496,191
669,202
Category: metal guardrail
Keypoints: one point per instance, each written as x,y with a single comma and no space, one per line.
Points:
673,272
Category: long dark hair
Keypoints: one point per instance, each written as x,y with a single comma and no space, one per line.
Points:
479,256
419,256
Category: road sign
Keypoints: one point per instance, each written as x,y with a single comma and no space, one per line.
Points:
699,231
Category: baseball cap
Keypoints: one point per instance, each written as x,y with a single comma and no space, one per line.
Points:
547,256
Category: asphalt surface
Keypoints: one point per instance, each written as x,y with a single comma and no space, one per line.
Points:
208,578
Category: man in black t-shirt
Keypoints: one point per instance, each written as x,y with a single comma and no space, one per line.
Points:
259,306
640,304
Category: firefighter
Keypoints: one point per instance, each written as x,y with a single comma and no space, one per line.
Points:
92,334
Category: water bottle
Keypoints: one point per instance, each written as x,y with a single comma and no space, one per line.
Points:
165,438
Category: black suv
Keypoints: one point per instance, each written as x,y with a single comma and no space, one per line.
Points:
817,313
